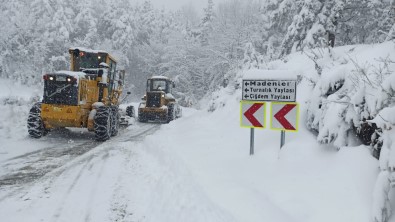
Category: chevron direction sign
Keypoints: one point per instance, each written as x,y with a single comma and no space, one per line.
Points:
284,116
252,114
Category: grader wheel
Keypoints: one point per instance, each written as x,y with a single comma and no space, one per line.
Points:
102,123
35,125
115,119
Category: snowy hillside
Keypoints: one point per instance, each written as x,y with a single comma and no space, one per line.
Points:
349,90
198,168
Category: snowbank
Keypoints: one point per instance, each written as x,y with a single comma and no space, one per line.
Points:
305,181
346,89
16,100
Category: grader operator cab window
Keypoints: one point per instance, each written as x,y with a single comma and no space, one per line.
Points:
157,85
84,60
60,89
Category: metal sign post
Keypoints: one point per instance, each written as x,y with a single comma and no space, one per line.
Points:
282,142
284,117
252,142
252,115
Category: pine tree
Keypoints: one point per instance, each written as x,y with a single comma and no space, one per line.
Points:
279,16
85,32
303,22
206,24
388,22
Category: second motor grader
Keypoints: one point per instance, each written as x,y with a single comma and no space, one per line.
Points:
158,102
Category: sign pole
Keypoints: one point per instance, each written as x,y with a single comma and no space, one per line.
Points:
282,138
252,142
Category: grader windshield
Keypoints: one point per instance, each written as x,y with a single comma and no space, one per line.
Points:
88,61
82,59
158,84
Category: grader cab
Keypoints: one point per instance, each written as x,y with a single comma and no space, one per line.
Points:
158,103
87,96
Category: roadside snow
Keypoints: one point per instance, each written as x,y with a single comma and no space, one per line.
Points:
304,181
15,103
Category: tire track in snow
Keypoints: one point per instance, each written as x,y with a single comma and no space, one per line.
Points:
15,183
35,165
119,202
144,130
38,168
92,193
40,188
59,210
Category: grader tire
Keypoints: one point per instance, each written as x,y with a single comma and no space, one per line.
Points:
142,118
35,125
102,123
115,119
130,111
170,113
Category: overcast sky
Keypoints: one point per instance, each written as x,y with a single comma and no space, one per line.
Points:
176,4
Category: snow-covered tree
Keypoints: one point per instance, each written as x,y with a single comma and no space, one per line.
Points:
206,26
306,28
279,17
85,31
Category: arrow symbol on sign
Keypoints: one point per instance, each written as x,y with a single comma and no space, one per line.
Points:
250,114
246,90
246,96
280,116
247,84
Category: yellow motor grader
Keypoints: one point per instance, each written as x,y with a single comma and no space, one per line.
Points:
85,97
158,103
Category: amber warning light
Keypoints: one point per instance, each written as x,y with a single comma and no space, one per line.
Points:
69,79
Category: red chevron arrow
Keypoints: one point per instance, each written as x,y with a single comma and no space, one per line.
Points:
250,114
280,116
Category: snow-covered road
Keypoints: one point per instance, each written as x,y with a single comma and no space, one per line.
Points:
61,147
72,178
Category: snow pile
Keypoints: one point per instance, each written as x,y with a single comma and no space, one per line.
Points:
304,181
382,207
351,85
352,88
16,101
345,92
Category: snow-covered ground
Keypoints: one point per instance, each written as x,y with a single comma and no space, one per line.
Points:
196,168
15,102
